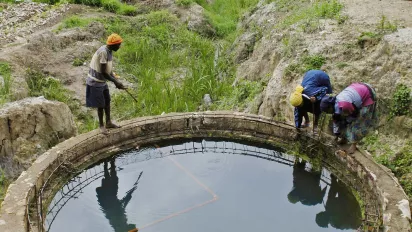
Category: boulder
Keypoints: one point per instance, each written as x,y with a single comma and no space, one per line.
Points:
30,126
195,18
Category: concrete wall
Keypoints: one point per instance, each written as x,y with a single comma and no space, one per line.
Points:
377,184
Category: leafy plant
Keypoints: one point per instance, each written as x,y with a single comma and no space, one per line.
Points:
385,25
5,82
78,62
313,62
401,101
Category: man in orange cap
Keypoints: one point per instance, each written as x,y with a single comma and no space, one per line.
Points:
97,91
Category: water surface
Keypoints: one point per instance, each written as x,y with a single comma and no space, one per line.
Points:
204,186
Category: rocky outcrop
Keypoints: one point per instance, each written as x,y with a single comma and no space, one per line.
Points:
17,21
385,63
29,127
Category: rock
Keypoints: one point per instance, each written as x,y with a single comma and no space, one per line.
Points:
30,126
196,20
403,206
243,46
207,101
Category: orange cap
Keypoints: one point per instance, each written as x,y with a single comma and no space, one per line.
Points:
114,39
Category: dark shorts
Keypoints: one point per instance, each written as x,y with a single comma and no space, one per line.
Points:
309,107
97,97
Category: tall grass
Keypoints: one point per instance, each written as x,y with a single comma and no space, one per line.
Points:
5,82
224,15
174,67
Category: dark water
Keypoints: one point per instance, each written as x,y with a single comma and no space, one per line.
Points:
204,186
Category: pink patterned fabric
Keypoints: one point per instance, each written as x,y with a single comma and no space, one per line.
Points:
364,93
346,106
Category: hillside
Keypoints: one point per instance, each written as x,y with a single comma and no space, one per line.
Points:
247,55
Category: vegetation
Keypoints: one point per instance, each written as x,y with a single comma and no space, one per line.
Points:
307,16
4,183
184,3
74,21
52,89
303,65
399,162
175,67
242,95
223,15
5,82
401,101
371,38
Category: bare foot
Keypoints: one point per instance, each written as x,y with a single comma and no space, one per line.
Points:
111,125
352,148
103,130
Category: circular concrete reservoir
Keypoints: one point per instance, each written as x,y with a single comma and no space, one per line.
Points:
219,171
204,185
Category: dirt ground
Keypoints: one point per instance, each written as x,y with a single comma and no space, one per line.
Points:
370,11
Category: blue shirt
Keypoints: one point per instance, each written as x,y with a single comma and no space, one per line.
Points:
316,83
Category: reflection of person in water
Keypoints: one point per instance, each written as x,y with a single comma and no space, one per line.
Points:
112,207
306,185
342,210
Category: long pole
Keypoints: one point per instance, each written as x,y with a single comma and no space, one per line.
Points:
131,95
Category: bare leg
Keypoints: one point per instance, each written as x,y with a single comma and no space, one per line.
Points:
101,124
109,123
316,121
307,122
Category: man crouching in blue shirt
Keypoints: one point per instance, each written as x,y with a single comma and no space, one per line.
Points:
307,96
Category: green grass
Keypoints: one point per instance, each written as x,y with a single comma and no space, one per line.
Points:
307,15
304,64
223,15
399,162
184,3
372,38
5,82
74,21
238,99
4,183
174,67
52,89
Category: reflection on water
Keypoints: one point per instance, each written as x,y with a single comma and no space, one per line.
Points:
342,211
306,185
111,206
204,187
